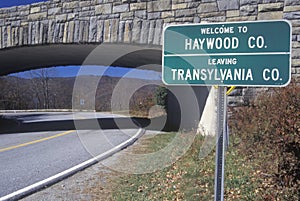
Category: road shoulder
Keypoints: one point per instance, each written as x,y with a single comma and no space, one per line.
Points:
92,183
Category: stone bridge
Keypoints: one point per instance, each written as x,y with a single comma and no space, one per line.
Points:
64,32
55,23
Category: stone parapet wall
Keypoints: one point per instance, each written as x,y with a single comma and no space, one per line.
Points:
133,21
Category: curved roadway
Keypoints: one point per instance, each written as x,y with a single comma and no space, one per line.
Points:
29,157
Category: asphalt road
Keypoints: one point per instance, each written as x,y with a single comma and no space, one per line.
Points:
40,145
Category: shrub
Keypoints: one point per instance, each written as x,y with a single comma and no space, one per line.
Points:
270,126
161,96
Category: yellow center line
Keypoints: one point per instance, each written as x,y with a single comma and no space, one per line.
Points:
36,141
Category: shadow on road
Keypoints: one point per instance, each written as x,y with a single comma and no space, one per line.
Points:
12,126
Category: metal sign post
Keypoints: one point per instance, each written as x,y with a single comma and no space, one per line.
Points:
220,145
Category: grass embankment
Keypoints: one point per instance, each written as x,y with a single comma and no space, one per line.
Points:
189,178
262,161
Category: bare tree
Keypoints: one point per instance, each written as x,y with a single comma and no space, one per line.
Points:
13,94
41,87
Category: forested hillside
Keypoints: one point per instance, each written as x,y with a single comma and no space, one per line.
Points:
44,92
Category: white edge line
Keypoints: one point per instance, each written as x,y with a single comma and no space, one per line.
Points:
51,180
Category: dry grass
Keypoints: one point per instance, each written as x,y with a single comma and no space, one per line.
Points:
189,178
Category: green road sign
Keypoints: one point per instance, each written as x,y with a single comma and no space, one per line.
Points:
239,53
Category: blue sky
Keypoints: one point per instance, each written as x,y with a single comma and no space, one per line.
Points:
9,3
72,71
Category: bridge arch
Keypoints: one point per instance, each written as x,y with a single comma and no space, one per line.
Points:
16,59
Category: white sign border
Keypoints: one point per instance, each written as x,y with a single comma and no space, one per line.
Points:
226,23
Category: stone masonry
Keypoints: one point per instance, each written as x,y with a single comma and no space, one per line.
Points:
133,21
